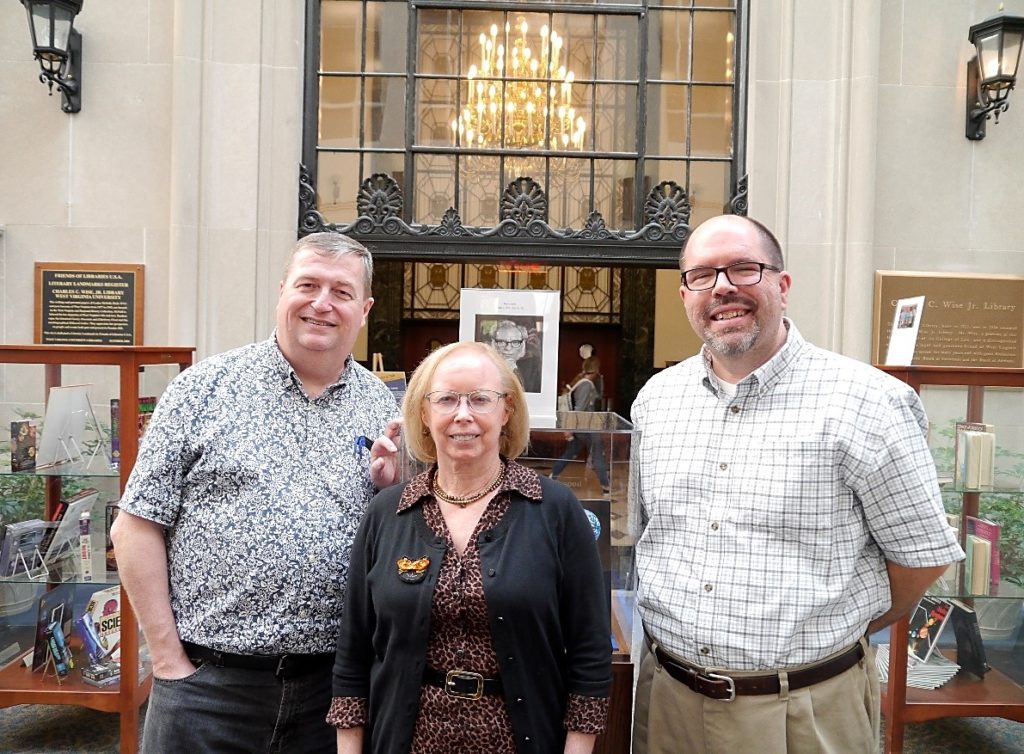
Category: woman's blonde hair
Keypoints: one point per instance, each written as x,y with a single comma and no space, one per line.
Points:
515,435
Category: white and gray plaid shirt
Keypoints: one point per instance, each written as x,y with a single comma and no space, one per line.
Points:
770,514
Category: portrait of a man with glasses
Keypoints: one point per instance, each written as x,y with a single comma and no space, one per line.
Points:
518,341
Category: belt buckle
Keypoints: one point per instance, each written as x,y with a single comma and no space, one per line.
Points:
463,675
730,683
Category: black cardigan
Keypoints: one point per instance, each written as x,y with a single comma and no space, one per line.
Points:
548,608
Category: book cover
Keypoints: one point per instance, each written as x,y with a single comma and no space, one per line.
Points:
104,610
21,546
111,515
978,565
926,625
15,642
147,405
54,607
85,545
974,453
990,531
970,651
23,445
66,530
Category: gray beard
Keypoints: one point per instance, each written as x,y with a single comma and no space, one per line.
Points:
722,345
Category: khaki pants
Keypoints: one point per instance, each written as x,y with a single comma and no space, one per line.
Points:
837,716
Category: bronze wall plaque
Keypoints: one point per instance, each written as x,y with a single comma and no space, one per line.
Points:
968,320
86,304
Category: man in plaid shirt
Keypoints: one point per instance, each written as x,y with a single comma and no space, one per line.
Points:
790,507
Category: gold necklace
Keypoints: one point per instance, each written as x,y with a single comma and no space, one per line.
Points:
463,500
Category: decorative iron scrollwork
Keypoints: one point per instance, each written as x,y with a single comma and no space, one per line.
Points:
524,212
524,201
738,204
667,206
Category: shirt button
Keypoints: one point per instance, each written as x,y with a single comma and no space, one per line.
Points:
708,587
519,700
501,618
491,571
510,658
488,537
723,466
714,526
705,651
734,409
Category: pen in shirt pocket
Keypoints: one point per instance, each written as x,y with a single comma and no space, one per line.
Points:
359,444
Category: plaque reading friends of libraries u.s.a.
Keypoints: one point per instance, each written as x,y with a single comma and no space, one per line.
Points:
89,304
968,320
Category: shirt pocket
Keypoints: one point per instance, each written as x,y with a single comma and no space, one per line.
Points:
787,498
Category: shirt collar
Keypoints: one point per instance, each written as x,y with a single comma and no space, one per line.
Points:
287,373
518,478
765,376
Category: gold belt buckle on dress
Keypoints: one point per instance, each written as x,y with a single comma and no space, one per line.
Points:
454,677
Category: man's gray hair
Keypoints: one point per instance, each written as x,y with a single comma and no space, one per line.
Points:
334,245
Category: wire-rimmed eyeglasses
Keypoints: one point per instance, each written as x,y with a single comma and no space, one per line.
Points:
479,401
738,274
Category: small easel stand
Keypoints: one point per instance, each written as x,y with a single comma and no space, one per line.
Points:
50,668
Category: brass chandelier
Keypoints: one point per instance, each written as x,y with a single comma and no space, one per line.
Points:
518,99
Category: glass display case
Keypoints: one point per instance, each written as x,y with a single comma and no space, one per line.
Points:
63,617
982,396
590,452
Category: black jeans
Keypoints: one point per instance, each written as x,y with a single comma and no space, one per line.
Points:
224,710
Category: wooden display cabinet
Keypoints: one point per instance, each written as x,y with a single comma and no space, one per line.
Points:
997,695
18,685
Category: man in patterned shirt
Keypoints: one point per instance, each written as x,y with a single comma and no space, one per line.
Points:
236,524
790,506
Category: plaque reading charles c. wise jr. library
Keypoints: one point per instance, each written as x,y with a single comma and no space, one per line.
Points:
968,320
85,304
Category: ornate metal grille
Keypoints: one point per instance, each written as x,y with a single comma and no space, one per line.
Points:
384,163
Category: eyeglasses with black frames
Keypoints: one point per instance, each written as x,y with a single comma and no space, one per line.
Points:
738,274
504,342
479,401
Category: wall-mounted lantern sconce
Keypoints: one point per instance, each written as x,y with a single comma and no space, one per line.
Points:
992,73
58,47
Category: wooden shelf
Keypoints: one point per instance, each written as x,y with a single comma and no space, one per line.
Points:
18,685
997,695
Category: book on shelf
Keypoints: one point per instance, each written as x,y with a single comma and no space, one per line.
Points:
104,610
23,445
978,564
926,625
54,607
102,673
147,405
970,651
66,529
974,453
990,531
20,551
16,641
85,545
110,515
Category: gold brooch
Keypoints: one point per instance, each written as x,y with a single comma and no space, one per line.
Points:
413,571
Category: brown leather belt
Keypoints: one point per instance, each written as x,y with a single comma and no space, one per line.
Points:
727,688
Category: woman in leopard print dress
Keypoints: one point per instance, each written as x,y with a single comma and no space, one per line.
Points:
476,618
